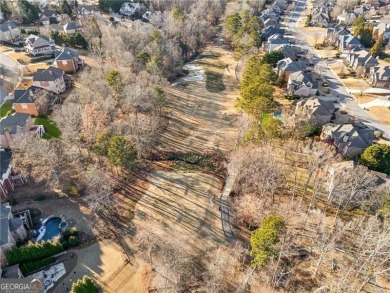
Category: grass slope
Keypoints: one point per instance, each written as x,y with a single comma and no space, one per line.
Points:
51,129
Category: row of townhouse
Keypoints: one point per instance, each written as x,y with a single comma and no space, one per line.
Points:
320,13
358,58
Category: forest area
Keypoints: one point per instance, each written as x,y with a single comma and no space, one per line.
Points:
303,221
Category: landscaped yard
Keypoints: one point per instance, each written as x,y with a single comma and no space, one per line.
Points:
6,108
51,129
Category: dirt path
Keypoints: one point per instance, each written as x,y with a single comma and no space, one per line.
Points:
202,113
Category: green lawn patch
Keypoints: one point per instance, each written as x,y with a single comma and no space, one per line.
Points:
214,70
6,108
51,129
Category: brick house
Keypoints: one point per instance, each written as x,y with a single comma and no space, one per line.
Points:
24,101
68,60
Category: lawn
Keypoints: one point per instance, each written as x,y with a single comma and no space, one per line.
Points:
6,108
51,129
214,70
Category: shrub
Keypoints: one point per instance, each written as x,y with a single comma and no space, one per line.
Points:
86,285
73,190
13,201
30,266
33,251
73,241
70,232
377,158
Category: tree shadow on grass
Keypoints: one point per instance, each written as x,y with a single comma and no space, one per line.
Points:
214,82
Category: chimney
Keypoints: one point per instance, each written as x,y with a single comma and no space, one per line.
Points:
345,137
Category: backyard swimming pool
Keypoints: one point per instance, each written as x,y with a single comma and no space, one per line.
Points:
51,227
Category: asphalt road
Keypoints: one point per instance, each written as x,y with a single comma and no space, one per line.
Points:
338,90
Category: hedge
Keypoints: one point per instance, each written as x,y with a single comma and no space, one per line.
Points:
30,266
33,251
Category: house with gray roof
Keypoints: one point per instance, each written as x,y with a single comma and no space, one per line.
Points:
287,66
346,17
84,11
349,42
51,79
39,45
13,125
48,16
72,28
9,32
6,182
68,60
301,84
12,230
360,58
129,9
275,41
320,19
350,140
314,110
379,76
270,31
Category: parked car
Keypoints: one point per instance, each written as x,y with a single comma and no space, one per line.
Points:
325,84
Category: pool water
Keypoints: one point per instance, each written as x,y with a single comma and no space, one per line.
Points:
52,228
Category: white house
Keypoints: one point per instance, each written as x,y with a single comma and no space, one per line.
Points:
72,28
39,45
128,8
51,79
9,32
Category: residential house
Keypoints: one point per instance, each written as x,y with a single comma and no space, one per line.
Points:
39,45
129,9
346,18
381,28
360,58
68,60
48,16
349,139
314,110
320,19
52,79
6,182
84,11
72,28
9,32
289,51
301,84
12,126
275,41
287,66
333,34
24,101
270,22
270,31
12,230
361,10
349,42
379,76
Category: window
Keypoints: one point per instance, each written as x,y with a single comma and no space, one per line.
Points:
64,62
24,106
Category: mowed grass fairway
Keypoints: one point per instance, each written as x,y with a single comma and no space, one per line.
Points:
214,70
